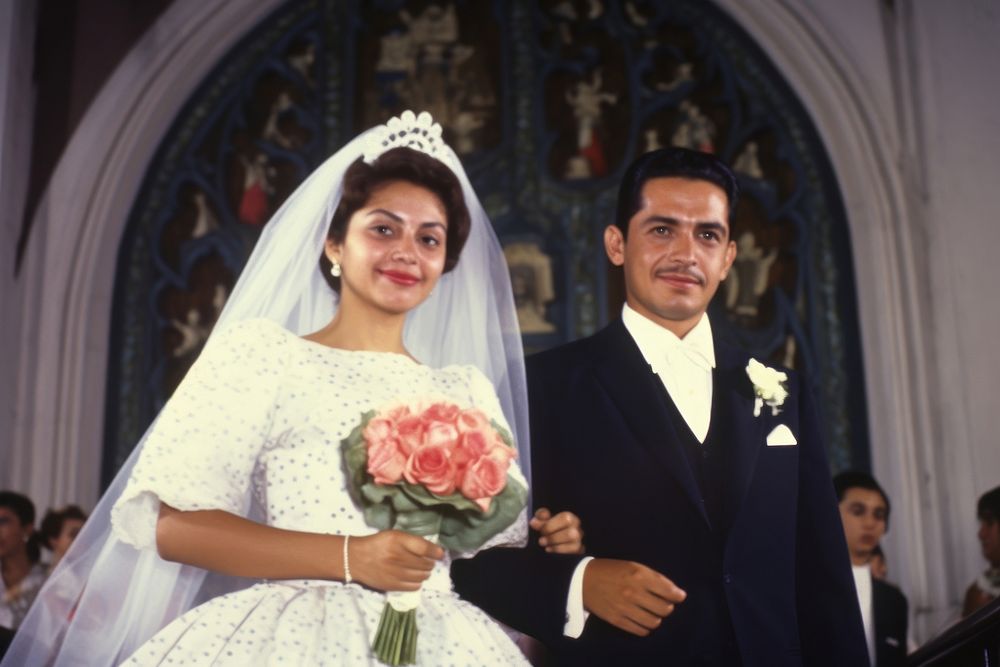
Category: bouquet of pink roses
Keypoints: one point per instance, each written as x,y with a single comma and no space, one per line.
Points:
435,470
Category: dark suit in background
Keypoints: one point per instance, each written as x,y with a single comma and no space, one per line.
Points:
891,622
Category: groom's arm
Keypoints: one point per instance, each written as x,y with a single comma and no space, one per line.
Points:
525,588
830,628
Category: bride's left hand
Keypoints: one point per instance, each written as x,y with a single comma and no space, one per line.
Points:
560,534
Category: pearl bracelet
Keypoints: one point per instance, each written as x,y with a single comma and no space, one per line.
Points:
347,561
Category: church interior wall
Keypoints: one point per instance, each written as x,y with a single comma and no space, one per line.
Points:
17,23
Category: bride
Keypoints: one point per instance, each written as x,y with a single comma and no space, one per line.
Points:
237,497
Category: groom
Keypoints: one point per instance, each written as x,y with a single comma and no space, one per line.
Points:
700,480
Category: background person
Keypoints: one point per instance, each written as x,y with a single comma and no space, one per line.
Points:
864,510
22,574
58,530
986,587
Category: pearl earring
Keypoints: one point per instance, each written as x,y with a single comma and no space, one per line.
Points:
335,270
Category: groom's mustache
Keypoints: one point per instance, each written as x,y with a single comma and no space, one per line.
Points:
686,272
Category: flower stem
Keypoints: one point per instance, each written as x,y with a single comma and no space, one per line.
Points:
395,640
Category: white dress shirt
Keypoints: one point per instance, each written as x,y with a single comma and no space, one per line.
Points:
863,584
684,366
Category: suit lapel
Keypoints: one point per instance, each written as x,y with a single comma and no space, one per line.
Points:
626,377
732,411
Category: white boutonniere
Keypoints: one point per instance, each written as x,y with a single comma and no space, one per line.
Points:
768,387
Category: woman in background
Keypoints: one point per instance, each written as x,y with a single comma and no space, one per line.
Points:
58,530
22,574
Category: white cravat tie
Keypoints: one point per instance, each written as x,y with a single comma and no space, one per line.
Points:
684,365
686,354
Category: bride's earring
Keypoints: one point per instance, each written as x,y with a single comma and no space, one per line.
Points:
335,270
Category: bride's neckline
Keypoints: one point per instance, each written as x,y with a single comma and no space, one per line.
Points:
324,347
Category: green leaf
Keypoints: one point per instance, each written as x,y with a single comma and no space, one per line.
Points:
380,516
466,531
426,522
425,498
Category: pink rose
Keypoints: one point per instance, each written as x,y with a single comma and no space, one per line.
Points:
501,451
411,430
397,413
483,480
431,466
472,420
378,429
441,412
471,446
385,461
440,434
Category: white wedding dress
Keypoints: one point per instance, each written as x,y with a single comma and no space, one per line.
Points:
263,412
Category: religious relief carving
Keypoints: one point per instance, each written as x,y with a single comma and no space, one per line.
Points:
683,74
586,89
273,131
302,59
748,162
635,15
194,332
651,140
257,174
531,281
748,279
586,98
194,218
695,130
569,13
187,311
205,221
440,58
788,357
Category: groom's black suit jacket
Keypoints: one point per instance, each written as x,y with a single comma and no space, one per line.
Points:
750,532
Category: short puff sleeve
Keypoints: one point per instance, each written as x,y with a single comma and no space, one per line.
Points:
201,450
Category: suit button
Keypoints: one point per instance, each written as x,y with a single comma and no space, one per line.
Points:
728,578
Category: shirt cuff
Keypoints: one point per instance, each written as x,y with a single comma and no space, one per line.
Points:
576,615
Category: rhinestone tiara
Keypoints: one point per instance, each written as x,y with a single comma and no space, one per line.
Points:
409,130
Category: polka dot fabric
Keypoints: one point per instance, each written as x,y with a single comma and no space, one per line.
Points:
262,412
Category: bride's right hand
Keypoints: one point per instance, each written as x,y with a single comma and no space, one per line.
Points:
392,560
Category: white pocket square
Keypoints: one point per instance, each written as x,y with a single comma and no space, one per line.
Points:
781,436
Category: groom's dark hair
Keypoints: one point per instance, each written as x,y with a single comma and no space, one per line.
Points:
856,479
400,164
672,162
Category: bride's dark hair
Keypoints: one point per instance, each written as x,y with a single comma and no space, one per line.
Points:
400,164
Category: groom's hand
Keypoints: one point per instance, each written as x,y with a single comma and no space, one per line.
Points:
628,595
559,534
